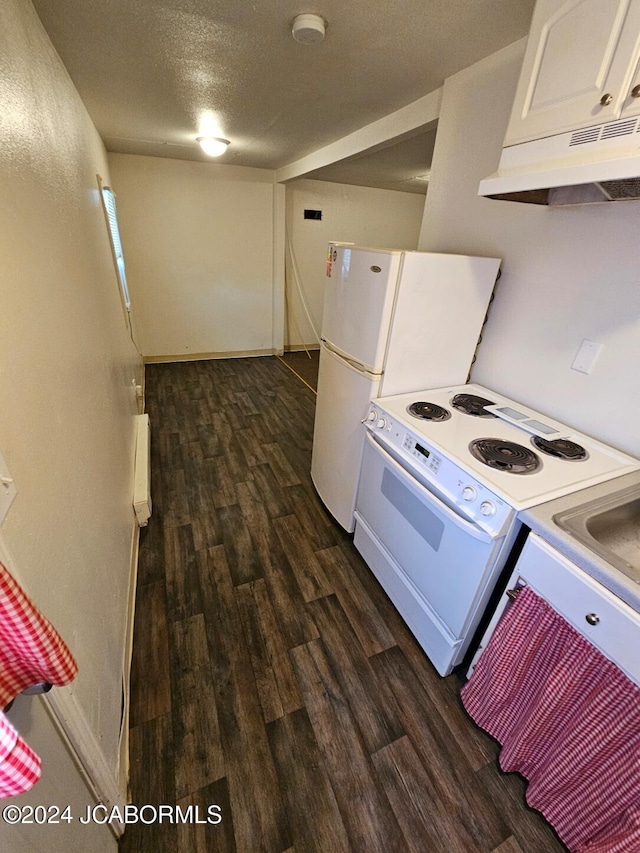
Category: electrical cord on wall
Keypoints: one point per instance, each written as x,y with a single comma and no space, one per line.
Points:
296,280
291,322
133,340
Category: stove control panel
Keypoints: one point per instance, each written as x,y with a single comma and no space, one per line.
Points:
477,502
459,489
376,420
425,456
487,508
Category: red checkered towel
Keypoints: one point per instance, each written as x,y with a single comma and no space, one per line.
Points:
19,765
569,722
31,651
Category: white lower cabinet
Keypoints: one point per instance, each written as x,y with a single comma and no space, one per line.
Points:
610,624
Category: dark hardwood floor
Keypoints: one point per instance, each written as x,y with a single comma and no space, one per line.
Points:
304,364
271,675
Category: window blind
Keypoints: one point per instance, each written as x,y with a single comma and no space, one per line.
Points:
109,201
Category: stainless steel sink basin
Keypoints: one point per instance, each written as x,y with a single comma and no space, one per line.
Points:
611,527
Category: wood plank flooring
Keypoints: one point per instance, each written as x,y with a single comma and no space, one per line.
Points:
304,365
271,675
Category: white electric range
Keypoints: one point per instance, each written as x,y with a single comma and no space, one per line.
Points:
444,474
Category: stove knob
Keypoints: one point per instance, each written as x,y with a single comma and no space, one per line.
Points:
371,416
468,493
381,423
487,508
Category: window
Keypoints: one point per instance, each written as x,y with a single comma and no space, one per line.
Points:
109,202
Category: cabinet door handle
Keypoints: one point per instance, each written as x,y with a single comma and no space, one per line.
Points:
635,92
592,618
606,99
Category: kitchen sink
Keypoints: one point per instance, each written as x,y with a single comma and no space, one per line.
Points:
610,526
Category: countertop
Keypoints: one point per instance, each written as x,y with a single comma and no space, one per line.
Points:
540,520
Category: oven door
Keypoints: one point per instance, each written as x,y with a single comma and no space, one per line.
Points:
444,558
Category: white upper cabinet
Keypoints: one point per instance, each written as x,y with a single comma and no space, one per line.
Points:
580,68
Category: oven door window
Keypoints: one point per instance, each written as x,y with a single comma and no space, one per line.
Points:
444,556
412,508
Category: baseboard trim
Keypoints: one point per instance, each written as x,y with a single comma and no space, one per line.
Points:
123,762
72,725
207,356
301,347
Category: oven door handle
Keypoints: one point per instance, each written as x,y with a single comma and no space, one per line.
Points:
452,516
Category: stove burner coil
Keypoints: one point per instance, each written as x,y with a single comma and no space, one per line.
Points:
428,411
471,404
561,448
505,455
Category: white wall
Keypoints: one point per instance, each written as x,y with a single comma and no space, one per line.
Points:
68,371
198,240
360,215
60,784
568,274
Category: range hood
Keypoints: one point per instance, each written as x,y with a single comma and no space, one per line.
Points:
586,166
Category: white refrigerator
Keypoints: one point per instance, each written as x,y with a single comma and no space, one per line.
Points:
393,322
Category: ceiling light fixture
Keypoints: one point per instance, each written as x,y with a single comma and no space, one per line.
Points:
308,29
213,145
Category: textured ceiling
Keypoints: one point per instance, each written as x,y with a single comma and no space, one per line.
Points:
154,74
399,165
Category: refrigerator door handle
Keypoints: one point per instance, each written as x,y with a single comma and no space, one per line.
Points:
352,362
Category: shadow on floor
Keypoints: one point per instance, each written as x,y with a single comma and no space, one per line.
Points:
305,366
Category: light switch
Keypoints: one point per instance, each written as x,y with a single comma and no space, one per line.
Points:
8,489
587,356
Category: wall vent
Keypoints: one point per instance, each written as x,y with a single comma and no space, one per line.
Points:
624,190
607,131
619,128
581,137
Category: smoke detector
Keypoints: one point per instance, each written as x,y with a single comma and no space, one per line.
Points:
308,29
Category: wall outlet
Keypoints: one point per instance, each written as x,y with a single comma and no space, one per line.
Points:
587,356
